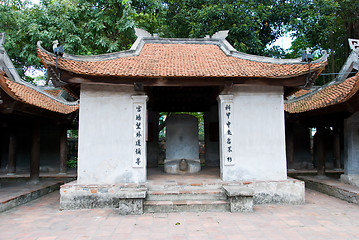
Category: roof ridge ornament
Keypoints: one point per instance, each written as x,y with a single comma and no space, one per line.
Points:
140,33
353,44
221,34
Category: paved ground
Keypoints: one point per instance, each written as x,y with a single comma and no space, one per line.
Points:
322,217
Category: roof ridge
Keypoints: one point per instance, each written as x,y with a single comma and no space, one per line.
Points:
223,44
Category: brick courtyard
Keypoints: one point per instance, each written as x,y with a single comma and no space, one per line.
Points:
322,217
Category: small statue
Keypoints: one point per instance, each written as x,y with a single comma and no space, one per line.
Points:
183,165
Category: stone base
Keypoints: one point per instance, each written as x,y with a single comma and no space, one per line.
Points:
182,166
130,206
241,204
127,198
240,198
289,191
352,179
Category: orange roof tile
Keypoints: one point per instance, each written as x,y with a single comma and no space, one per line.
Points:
328,95
301,92
33,97
54,92
179,60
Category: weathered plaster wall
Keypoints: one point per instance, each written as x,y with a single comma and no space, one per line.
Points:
351,150
105,136
351,144
259,134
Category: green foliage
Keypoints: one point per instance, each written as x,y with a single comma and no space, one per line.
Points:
252,24
72,133
72,163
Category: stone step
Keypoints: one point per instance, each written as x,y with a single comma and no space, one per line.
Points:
197,194
179,186
186,206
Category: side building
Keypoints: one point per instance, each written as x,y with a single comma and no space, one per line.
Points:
34,123
332,110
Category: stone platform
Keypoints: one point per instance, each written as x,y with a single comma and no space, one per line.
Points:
16,189
163,192
332,187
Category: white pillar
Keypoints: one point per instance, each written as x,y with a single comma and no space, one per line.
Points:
226,133
139,112
252,134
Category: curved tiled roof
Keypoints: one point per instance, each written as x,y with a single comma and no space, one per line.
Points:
328,95
29,95
180,58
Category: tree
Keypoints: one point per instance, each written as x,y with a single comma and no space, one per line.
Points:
252,24
324,25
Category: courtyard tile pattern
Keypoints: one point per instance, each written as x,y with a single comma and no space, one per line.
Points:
322,217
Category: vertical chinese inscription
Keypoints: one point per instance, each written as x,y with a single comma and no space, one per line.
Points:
139,115
227,117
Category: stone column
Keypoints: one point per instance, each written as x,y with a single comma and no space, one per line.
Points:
35,153
336,148
226,135
63,151
320,150
12,153
351,150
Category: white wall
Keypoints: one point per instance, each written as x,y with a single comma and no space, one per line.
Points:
105,136
351,144
259,135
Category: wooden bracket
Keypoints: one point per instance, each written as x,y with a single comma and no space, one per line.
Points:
138,86
228,85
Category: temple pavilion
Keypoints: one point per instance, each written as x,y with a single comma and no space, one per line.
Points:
121,95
